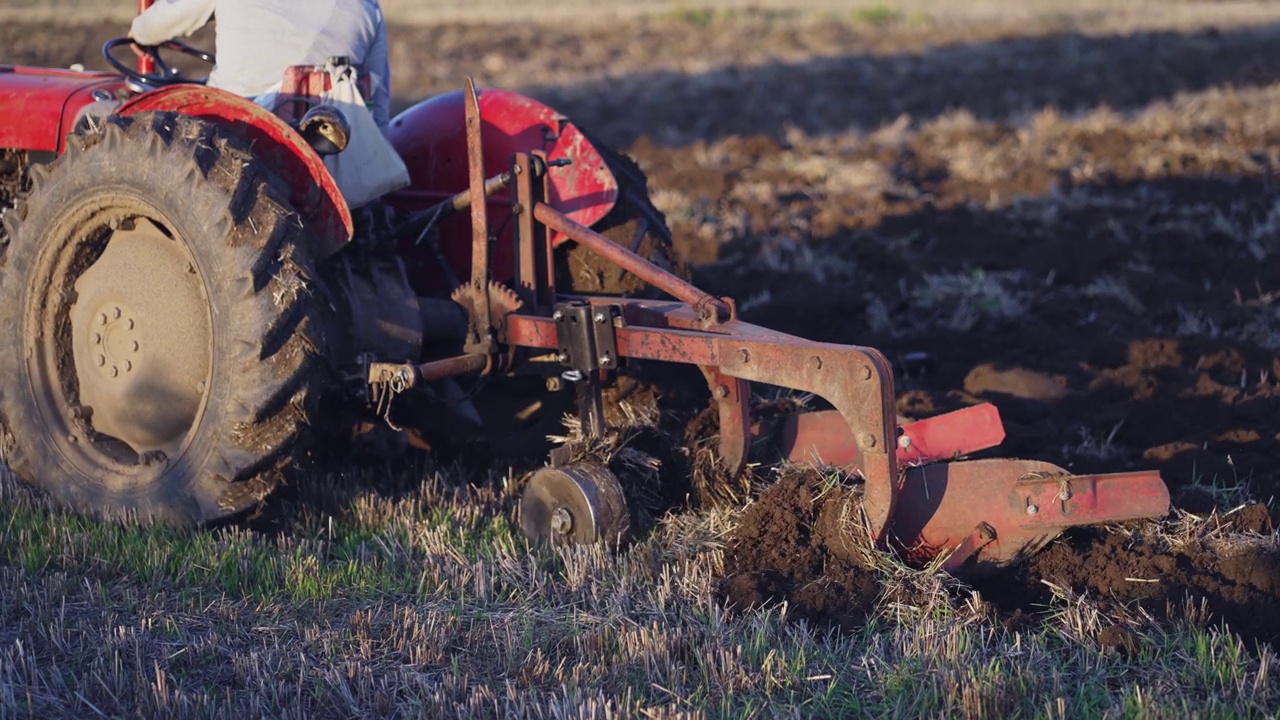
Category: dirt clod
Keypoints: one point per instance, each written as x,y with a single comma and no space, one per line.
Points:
798,543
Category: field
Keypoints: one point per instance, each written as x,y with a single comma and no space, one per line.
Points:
1069,210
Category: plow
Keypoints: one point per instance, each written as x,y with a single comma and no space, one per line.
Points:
187,297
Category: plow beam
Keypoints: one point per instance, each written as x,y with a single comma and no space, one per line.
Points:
991,512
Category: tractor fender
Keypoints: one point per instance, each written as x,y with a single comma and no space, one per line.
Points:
431,138
275,143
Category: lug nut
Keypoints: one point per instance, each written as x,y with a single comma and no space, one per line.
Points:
128,365
102,318
134,346
115,371
102,360
97,338
115,313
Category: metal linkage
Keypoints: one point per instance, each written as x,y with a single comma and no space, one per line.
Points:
587,344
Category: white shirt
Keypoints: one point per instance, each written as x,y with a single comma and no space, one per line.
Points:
258,39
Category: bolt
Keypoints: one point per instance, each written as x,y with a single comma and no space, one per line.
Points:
553,384
115,371
561,522
557,316
128,366
516,208
562,358
73,439
744,355
102,318
904,442
869,440
606,360
128,324
200,386
986,532
102,360
1032,509
1065,494
134,346
817,362
722,391
115,313
97,338
601,317
866,372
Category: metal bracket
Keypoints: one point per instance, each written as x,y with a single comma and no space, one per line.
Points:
587,342
587,335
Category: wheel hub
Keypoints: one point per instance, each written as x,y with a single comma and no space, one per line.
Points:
141,339
115,341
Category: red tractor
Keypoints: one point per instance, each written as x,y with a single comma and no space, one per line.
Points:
185,293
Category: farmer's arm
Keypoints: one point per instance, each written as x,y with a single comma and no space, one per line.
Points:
168,19
378,65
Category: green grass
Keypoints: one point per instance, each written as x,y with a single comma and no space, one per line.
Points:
429,605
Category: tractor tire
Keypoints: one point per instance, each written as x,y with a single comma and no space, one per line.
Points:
160,344
633,223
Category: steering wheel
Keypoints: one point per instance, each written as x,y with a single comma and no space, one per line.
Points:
164,74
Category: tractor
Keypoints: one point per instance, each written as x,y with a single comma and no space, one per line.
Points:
186,297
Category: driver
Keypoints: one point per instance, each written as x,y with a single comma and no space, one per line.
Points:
257,40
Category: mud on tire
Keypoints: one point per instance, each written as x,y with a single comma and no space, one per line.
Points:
187,190
633,223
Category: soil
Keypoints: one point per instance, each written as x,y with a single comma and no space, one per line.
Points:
794,545
1078,225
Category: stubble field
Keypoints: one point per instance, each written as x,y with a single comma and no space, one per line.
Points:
1070,211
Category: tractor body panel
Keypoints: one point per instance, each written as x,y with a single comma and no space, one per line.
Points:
38,105
312,190
431,138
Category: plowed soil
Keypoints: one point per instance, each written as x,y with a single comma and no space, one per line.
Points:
1077,222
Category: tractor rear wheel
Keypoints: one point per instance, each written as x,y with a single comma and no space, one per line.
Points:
633,223
158,343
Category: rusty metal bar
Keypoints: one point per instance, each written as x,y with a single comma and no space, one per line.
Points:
460,365
708,306
530,236
482,321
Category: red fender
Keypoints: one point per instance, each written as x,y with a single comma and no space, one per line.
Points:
431,138
326,212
